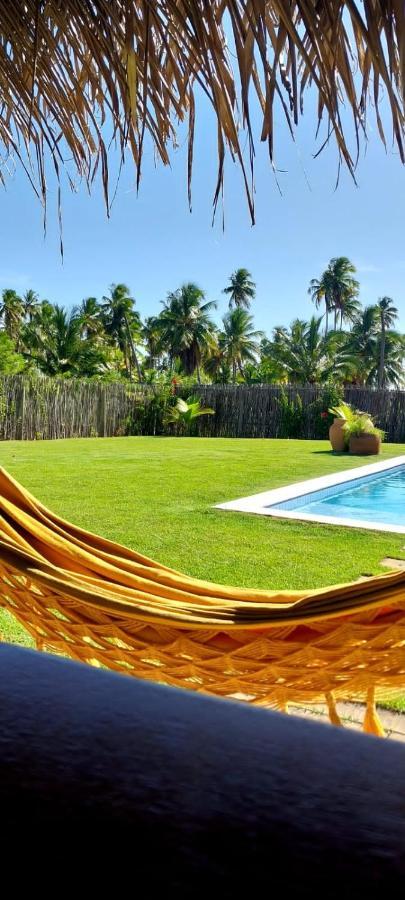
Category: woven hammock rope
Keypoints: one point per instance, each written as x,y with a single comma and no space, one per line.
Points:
100,603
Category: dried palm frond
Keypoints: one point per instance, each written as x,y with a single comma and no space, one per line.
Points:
68,68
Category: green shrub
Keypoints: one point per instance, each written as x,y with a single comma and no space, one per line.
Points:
291,416
319,411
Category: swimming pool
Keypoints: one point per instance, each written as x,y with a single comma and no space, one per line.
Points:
380,497
371,496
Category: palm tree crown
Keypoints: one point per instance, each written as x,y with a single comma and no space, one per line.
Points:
241,289
12,313
308,356
387,314
89,315
30,302
239,341
121,322
338,289
186,326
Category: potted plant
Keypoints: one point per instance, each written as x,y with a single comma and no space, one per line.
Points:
343,413
364,437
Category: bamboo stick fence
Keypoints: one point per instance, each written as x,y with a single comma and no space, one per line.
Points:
48,408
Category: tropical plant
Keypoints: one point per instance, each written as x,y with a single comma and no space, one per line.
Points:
349,309
393,351
271,368
152,337
239,341
89,315
185,412
319,410
10,362
291,415
53,343
361,423
342,411
345,412
387,315
310,357
122,324
12,314
338,289
241,289
356,421
186,327
362,344
216,363
30,303
184,341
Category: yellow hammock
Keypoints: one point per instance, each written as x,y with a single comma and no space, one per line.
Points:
103,604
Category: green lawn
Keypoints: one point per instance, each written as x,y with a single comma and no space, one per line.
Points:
157,494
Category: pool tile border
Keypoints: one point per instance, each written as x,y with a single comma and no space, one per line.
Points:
263,504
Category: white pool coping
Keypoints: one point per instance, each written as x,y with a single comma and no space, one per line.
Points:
260,504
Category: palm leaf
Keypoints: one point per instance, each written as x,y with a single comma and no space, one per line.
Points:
68,68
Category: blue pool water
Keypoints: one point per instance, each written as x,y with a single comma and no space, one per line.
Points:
373,498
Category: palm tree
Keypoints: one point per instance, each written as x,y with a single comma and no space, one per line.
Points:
321,291
241,289
121,322
30,302
350,309
308,356
53,342
387,314
337,288
271,365
362,343
12,314
216,364
238,340
186,327
152,336
63,342
394,357
89,315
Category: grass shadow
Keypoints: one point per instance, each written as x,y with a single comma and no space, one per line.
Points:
331,452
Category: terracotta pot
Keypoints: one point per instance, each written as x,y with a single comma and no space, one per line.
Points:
365,444
336,435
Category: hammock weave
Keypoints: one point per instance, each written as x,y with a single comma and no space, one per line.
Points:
103,604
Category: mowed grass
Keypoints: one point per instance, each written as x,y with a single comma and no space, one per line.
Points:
157,495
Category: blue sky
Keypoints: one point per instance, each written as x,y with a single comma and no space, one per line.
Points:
152,243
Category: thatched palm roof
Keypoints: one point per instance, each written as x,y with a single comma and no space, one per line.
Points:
68,66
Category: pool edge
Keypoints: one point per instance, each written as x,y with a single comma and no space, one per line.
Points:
259,504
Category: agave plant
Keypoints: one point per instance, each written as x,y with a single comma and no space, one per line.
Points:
184,413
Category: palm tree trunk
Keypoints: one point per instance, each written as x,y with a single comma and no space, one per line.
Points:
198,373
133,351
127,361
233,371
381,367
326,318
335,318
